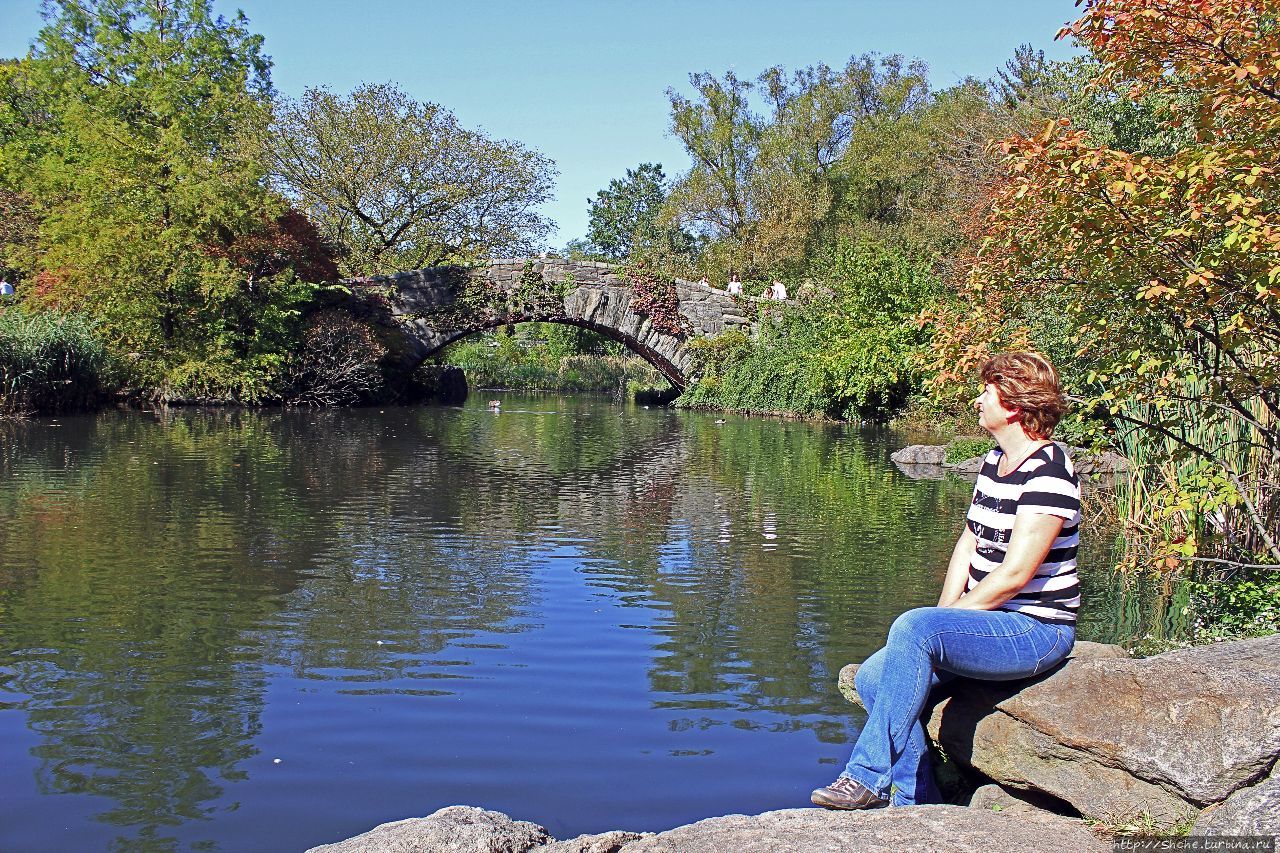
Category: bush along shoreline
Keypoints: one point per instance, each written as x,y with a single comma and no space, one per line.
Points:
51,363
54,363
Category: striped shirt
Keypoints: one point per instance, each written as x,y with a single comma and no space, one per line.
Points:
1044,483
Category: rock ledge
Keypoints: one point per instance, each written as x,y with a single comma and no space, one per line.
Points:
946,829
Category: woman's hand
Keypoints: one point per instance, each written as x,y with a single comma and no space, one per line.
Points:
1032,537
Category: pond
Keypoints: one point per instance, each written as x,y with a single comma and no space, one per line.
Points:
239,630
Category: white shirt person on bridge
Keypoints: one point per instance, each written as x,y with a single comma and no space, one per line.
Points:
777,291
735,286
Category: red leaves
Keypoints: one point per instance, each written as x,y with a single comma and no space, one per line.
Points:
290,241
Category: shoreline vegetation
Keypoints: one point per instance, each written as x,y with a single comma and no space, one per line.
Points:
173,236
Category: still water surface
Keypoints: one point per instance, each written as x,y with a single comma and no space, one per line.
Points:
243,631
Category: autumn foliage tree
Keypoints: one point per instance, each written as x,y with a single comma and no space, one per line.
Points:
1168,262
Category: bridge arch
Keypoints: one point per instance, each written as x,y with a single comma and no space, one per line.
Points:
431,308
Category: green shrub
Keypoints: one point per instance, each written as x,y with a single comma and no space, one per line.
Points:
962,448
251,381
1247,606
550,357
845,348
50,362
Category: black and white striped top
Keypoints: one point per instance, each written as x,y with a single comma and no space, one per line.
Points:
1044,483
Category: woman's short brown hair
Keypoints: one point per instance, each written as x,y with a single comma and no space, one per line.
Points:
1028,382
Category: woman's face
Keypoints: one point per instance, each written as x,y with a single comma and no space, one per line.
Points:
992,414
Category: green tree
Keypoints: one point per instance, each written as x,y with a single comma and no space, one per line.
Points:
397,184
623,218
131,139
848,350
764,188
722,135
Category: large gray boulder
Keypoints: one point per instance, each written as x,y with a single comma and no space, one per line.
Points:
456,829
966,466
920,454
1250,811
1165,736
1108,462
1197,724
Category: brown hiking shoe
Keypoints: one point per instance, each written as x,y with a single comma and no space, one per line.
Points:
845,793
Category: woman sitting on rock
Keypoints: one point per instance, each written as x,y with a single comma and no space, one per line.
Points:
1009,601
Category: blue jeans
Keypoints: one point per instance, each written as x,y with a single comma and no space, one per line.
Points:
926,647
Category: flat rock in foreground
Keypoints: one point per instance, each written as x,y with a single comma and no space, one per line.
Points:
947,829
456,829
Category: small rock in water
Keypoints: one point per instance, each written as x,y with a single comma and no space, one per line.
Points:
275,761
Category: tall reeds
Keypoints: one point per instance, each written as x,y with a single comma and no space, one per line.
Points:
1202,498
49,363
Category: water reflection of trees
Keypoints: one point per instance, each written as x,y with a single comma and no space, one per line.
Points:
155,568
124,614
797,545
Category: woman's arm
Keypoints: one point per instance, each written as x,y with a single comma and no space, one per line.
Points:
1029,543
958,568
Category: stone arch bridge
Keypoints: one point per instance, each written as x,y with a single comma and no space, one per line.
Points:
430,308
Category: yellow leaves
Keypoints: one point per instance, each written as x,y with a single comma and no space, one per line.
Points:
1154,290
1200,278
1237,200
1122,188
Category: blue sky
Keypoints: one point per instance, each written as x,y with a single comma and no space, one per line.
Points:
585,82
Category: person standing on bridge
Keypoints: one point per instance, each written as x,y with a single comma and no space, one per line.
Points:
778,291
1008,603
735,286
